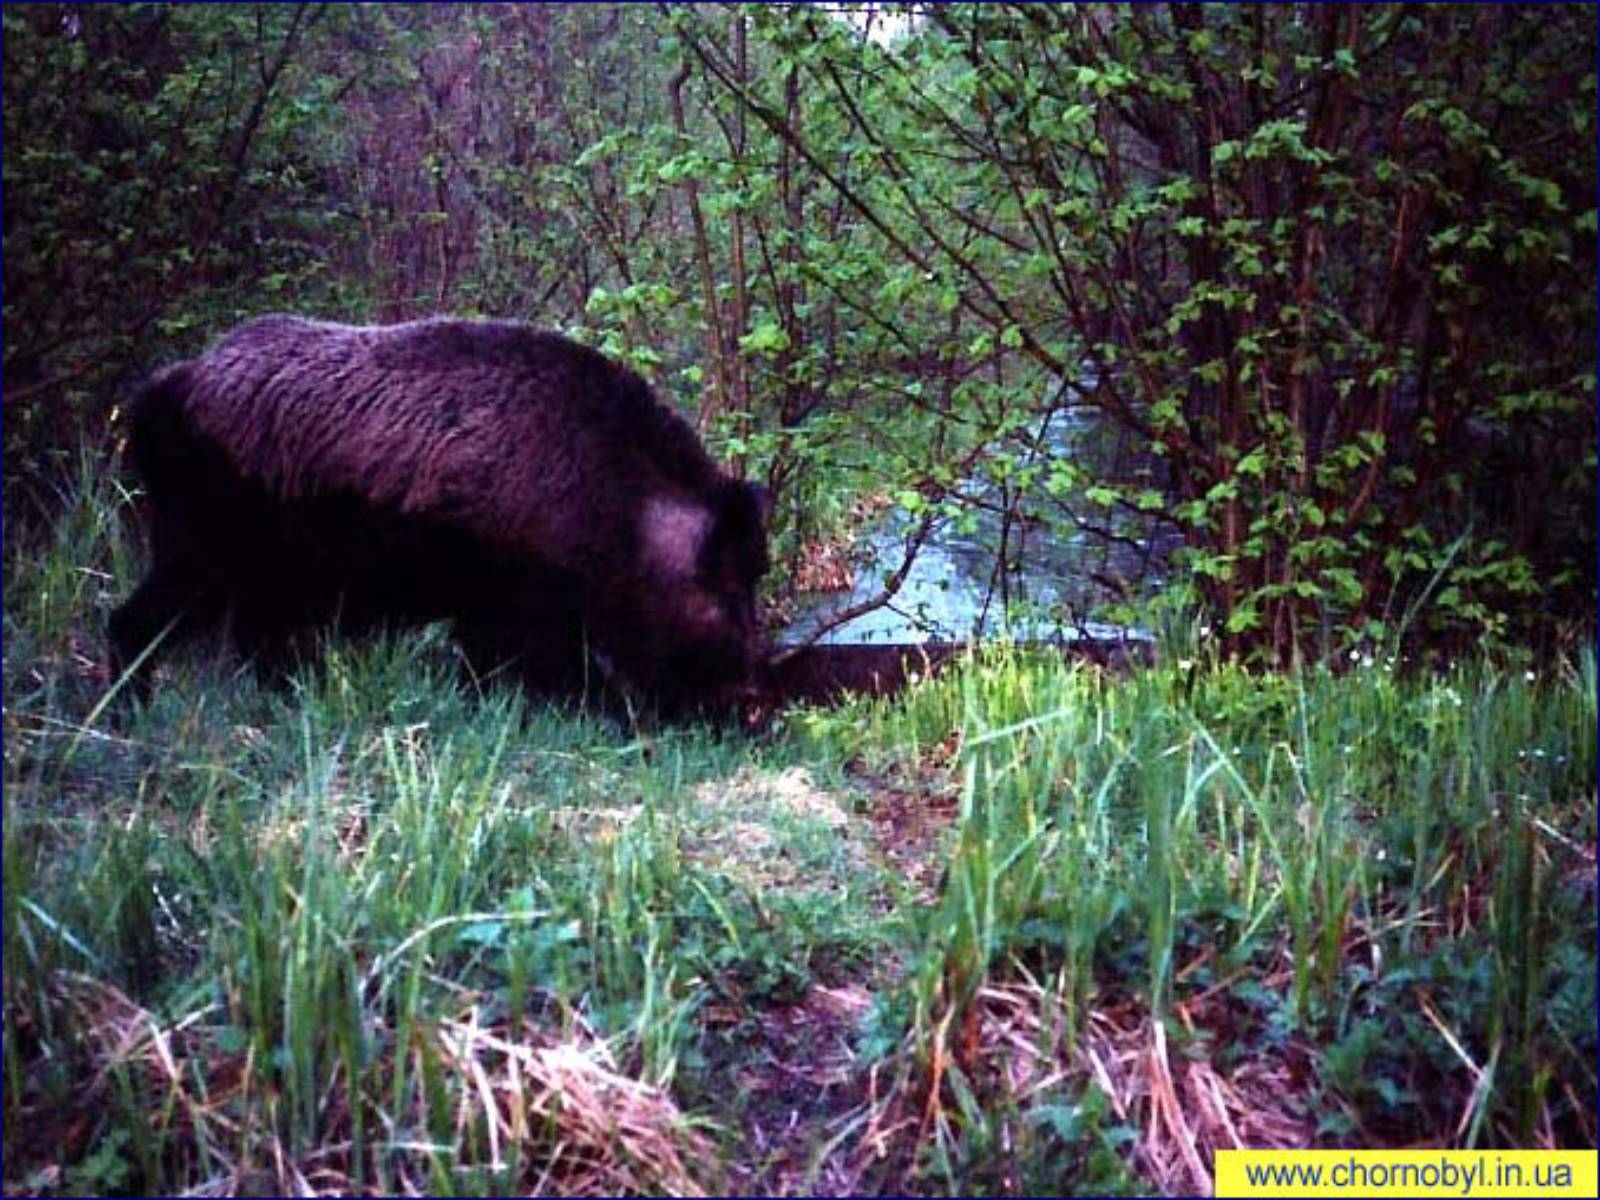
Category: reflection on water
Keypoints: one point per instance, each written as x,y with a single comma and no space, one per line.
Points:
950,594
953,592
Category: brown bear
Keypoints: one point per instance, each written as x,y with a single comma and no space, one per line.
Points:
523,486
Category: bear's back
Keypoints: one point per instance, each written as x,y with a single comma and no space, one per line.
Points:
501,363
491,416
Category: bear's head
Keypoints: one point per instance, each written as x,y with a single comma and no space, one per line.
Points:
696,608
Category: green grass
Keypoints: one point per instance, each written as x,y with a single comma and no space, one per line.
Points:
375,932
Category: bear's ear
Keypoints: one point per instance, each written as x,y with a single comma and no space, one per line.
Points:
739,536
763,501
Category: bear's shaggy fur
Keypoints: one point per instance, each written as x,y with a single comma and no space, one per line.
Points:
524,486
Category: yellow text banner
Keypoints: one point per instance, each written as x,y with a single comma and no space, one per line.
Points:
1460,1173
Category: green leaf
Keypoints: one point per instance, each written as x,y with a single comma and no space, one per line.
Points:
766,338
483,933
1252,464
1244,618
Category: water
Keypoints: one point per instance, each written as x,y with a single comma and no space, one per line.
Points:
953,592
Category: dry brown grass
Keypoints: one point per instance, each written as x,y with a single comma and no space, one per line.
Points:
553,1108
587,1128
1182,1105
824,567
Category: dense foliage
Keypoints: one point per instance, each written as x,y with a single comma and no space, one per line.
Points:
1321,277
